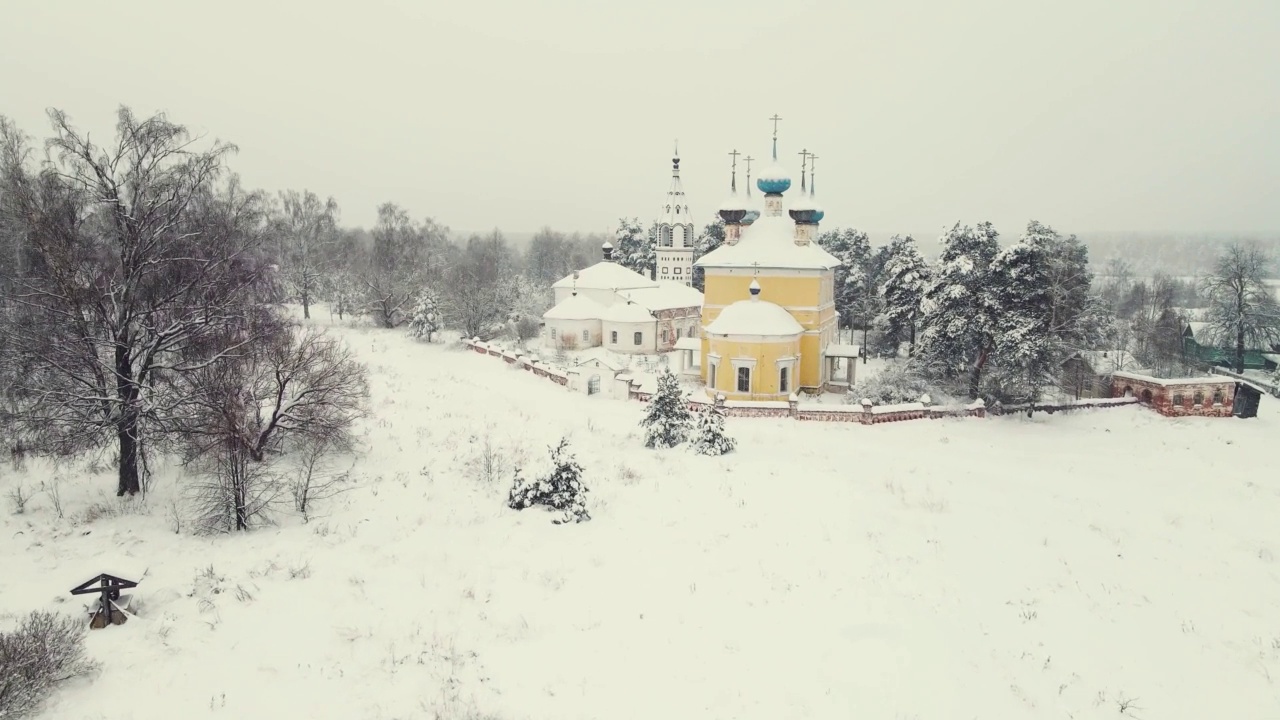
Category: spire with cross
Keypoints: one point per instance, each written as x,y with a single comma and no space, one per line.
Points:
748,160
804,157
812,163
733,177
775,120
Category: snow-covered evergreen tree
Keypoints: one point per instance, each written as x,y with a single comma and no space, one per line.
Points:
712,237
956,338
634,248
906,279
709,437
667,418
424,324
1023,342
561,490
853,249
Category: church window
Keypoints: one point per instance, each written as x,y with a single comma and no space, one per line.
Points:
677,270
711,374
613,337
688,235
664,271
664,336
639,338
1217,397
744,379
1199,398
783,380
586,336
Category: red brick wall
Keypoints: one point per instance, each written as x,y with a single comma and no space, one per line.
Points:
1162,395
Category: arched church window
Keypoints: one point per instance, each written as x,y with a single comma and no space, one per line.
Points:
744,379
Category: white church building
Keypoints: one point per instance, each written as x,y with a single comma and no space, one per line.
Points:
611,306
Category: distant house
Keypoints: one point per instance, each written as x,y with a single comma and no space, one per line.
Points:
1198,346
1087,374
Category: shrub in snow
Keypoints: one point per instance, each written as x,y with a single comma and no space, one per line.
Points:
667,418
562,490
709,437
41,652
424,324
896,383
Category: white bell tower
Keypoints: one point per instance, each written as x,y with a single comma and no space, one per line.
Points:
676,232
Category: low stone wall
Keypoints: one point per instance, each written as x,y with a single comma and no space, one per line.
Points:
863,414
517,358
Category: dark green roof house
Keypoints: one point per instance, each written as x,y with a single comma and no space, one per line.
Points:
1211,354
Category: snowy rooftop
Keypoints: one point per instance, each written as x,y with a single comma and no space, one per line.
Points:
625,312
605,275
575,307
755,317
665,296
843,351
769,243
688,343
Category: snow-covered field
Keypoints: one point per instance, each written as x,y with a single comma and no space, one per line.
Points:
1104,564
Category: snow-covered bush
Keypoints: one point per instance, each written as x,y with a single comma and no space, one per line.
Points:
424,324
667,420
709,437
896,383
562,490
44,650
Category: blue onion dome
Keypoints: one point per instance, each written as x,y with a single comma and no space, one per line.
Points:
733,209
805,210
774,180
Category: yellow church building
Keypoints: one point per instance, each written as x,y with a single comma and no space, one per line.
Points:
768,315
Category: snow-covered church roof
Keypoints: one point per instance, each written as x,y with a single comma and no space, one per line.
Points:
664,296
575,307
769,243
625,312
606,275
755,317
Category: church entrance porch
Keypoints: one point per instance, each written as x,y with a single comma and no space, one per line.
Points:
688,349
842,366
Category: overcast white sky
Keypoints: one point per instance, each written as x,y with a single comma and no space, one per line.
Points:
1124,115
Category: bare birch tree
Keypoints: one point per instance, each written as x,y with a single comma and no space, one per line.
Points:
1243,311
135,254
305,227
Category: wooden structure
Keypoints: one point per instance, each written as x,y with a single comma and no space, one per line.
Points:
111,608
1248,397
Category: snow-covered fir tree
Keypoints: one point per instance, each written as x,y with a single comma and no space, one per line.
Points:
957,318
709,437
561,490
424,324
906,279
712,237
853,249
667,419
1023,344
634,247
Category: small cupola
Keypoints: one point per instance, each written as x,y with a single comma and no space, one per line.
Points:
754,289
607,249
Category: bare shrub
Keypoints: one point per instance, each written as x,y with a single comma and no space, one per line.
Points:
18,498
233,492
53,490
297,389
314,482
489,460
44,650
